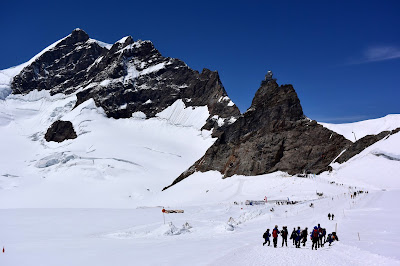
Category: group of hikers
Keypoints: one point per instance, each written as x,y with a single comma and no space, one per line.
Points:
353,196
318,236
286,202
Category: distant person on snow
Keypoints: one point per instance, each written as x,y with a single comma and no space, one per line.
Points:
266,237
333,216
329,216
275,234
284,234
298,237
293,236
314,237
304,235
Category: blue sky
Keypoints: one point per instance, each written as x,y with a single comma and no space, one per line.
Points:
342,57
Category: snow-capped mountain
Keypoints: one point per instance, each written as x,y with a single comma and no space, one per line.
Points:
123,78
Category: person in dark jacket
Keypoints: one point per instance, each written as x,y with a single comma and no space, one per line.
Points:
293,236
314,237
275,234
329,216
332,237
284,234
320,244
333,216
266,237
329,239
323,236
298,237
304,235
336,237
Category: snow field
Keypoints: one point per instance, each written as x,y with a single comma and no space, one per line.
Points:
112,163
357,130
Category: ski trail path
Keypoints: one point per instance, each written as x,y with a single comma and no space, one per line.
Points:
337,254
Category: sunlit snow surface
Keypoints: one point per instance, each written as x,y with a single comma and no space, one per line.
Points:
357,130
112,163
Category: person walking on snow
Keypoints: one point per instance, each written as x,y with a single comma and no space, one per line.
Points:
329,239
314,237
329,216
298,237
333,216
332,237
275,234
284,234
335,236
266,237
304,235
320,236
293,236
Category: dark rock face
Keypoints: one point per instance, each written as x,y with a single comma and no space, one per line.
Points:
362,144
127,78
273,135
60,131
60,68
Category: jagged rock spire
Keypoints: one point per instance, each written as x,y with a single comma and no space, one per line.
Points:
273,135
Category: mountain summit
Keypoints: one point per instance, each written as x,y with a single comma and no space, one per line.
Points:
127,77
273,135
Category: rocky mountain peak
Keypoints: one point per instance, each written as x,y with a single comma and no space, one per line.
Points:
277,103
131,76
273,135
76,36
121,44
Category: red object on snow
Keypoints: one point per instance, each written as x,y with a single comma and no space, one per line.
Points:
163,210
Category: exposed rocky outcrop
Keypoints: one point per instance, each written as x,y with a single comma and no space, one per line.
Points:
60,131
126,78
363,143
273,135
60,69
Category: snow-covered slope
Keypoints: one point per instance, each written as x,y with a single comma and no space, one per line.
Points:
357,130
378,166
112,163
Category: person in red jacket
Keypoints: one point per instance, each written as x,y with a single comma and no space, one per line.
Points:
275,234
314,237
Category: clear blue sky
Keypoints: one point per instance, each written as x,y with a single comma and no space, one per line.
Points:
343,57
